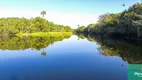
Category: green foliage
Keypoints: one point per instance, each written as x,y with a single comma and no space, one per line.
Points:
125,24
22,25
80,29
53,34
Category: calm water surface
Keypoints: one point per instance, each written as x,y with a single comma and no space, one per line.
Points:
67,59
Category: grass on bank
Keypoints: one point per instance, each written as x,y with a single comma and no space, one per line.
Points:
53,34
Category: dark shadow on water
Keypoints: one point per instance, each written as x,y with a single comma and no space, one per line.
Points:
128,50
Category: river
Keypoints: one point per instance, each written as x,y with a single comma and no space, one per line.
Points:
66,58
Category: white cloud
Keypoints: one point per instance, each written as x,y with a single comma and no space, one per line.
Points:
70,19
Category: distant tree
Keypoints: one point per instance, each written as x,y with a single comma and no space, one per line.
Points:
43,13
80,29
123,5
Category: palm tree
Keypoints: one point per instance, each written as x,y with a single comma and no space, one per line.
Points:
43,13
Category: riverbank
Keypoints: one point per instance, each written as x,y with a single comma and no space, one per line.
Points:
126,24
54,34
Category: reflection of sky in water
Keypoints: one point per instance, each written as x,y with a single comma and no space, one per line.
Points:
70,59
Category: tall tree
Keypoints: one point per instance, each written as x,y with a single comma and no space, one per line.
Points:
43,13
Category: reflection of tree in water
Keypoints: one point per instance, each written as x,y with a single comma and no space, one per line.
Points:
43,53
22,43
130,51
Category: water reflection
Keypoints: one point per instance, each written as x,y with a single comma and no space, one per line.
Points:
43,53
26,42
128,50
70,59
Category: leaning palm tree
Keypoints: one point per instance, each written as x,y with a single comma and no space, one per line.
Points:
43,13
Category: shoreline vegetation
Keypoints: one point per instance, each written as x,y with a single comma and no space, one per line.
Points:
127,24
32,27
53,34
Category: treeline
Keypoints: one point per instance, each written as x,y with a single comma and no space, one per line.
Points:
23,25
125,24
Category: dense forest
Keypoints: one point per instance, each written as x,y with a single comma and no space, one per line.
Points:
127,49
14,25
127,24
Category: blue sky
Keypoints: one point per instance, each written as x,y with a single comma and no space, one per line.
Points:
79,9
